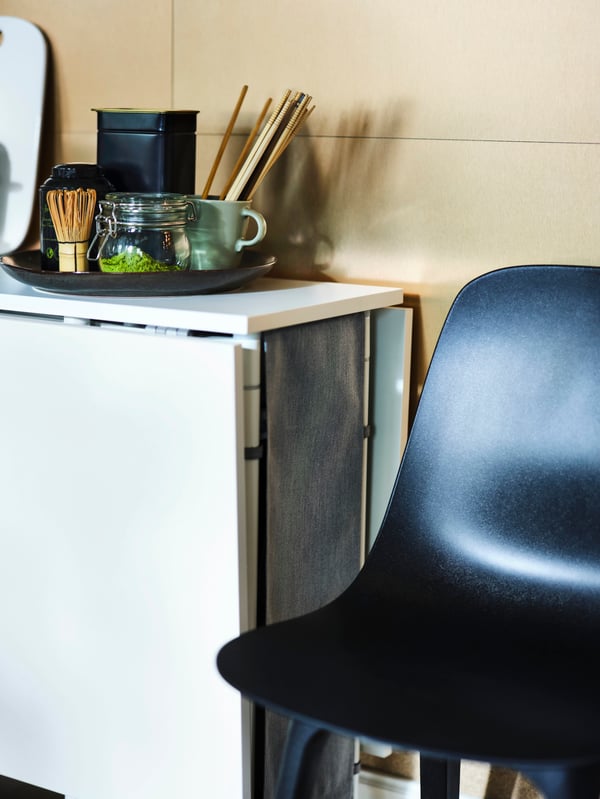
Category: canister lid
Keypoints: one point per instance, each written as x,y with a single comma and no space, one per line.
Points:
144,120
77,171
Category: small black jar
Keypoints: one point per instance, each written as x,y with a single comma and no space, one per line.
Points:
67,176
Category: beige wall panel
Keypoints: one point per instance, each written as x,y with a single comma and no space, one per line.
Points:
104,53
76,147
426,211
429,216
503,69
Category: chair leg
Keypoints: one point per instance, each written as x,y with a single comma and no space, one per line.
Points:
576,782
300,760
439,777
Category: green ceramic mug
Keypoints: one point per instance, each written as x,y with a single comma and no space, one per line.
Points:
217,231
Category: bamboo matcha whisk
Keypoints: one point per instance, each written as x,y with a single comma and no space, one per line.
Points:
72,213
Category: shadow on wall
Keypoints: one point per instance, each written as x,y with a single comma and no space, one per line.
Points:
313,200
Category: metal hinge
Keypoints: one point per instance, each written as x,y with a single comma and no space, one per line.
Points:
253,453
156,330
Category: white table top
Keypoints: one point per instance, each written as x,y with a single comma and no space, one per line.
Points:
265,304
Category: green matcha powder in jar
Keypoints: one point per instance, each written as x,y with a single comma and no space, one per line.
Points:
138,232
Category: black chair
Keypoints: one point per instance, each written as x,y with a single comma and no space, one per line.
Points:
473,630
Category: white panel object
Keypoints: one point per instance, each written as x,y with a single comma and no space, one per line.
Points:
23,56
391,337
251,345
121,499
265,304
366,443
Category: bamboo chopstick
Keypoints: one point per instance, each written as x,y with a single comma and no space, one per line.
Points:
276,157
301,113
263,147
224,141
260,146
246,148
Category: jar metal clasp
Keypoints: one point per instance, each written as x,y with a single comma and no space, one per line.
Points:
191,214
106,226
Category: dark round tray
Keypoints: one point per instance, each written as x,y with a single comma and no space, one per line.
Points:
26,267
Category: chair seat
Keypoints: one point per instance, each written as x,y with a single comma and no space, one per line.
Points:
505,700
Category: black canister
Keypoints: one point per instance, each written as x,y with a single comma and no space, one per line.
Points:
148,150
66,176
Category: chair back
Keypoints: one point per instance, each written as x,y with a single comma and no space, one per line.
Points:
496,510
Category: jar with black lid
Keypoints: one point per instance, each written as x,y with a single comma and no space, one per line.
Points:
148,150
142,232
67,176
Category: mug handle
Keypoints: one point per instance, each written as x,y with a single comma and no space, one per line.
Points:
261,230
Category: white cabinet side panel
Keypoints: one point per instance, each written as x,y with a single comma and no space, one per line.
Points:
121,494
391,337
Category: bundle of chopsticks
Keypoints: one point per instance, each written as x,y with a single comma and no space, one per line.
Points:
263,147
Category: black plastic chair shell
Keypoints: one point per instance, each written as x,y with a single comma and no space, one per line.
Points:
472,631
